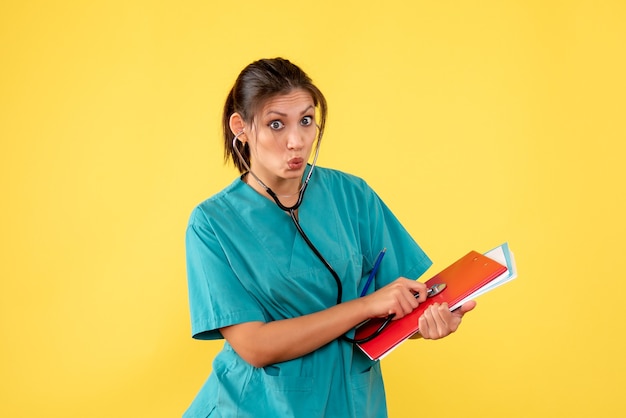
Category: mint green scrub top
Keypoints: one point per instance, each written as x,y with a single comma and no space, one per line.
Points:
247,262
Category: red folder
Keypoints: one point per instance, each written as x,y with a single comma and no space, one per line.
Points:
462,278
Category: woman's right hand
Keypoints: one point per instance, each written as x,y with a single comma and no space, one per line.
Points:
397,298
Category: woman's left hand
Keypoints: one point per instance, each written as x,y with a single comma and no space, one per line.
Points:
437,321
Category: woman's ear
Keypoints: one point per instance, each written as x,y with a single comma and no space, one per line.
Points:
236,125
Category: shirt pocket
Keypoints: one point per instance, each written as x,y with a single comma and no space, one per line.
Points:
368,394
287,396
214,400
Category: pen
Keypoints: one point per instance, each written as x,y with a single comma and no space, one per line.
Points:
381,254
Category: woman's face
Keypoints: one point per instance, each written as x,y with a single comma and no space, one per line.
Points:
281,137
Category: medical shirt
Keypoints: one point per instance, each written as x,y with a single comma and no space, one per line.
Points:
247,262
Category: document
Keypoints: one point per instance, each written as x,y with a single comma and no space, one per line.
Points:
470,276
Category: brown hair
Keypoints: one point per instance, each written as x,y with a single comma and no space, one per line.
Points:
258,82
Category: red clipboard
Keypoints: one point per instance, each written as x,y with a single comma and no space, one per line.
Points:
462,278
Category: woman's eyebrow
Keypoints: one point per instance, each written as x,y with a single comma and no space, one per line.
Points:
311,107
269,112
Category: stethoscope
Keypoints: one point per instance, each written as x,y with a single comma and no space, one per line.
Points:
291,210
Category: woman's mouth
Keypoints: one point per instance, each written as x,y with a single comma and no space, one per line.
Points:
295,163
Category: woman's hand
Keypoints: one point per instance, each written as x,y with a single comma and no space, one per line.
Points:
397,298
437,321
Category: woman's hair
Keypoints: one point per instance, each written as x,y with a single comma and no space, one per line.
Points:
257,83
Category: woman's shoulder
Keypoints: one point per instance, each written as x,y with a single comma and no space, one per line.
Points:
338,177
218,203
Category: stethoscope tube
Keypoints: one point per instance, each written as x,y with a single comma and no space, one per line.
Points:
292,214
270,191
294,218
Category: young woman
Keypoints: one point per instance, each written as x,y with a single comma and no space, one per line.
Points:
277,262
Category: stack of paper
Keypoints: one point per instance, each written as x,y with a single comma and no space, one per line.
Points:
467,278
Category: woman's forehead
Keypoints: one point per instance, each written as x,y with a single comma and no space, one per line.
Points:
295,102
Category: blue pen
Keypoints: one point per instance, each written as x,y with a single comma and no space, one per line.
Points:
373,272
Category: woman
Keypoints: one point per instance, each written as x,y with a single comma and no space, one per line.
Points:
279,275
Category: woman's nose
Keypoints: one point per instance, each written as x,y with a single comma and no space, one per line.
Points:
294,140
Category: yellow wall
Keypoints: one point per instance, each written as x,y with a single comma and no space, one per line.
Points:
478,122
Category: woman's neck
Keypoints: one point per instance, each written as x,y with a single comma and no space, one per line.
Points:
287,191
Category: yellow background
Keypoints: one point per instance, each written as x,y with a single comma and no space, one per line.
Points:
477,122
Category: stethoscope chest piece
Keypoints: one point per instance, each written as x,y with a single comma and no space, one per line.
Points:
435,289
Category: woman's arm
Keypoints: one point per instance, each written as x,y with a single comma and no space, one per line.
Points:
261,344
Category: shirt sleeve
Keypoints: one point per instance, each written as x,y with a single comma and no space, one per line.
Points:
216,296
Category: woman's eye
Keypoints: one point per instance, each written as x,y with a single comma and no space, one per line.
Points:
275,124
306,121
